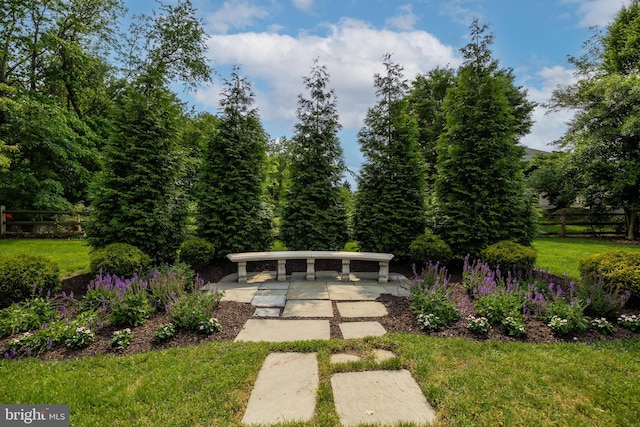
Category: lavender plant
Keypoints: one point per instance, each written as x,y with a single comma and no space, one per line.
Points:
600,300
190,311
430,297
564,312
132,309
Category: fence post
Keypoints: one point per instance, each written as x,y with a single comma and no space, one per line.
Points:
3,220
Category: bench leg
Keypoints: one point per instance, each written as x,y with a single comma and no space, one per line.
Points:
311,269
282,270
242,272
383,274
345,270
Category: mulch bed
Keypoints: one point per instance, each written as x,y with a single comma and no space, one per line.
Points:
233,315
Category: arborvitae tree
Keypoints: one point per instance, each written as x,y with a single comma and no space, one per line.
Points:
231,209
314,215
137,199
390,202
480,190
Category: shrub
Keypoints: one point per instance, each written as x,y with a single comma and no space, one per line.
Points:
510,256
26,316
164,332
119,259
190,311
23,276
132,309
618,268
196,252
430,248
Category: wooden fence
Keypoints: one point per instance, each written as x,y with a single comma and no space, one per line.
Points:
33,222
565,223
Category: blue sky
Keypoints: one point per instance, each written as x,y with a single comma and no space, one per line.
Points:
276,41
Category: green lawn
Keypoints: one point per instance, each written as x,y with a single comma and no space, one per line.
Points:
468,383
71,255
562,254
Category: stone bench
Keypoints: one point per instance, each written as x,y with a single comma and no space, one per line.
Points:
311,256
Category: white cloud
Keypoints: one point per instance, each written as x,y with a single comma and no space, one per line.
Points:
597,12
404,20
235,14
304,5
352,51
548,127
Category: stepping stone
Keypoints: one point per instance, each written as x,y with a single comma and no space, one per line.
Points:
310,290
362,309
277,330
239,295
269,300
274,286
381,398
308,308
339,291
361,329
263,276
381,355
285,389
271,292
396,289
266,312
344,358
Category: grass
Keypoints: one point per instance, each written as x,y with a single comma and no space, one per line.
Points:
71,255
562,254
468,383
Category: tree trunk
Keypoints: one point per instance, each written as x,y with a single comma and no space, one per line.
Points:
631,218
563,223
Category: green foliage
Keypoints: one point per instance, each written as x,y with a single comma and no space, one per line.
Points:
390,207
164,332
314,215
509,256
194,310
131,309
122,338
631,322
232,212
26,316
619,268
79,338
137,199
564,316
170,282
554,177
430,299
97,299
498,306
600,302
429,247
23,276
478,325
480,193
196,252
119,259
514,325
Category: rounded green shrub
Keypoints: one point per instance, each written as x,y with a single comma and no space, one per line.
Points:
509,255
119,259
620,270
429,247
196,252
22,276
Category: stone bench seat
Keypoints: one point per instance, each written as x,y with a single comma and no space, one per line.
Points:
311,256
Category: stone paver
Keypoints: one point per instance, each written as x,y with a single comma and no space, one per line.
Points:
266,312
239,295
361,329
285,389
308,308
269,300
344,358
379,397
362,309
310,290
278,330
274,285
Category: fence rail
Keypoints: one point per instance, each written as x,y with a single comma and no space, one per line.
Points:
23,221
587,223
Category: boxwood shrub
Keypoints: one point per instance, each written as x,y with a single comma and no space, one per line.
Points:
23,276
618,268
119,259
196,252
429,247
509,255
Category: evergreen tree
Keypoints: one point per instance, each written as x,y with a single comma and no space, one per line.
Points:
390,202
314,215
480,190
230,194
137,199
